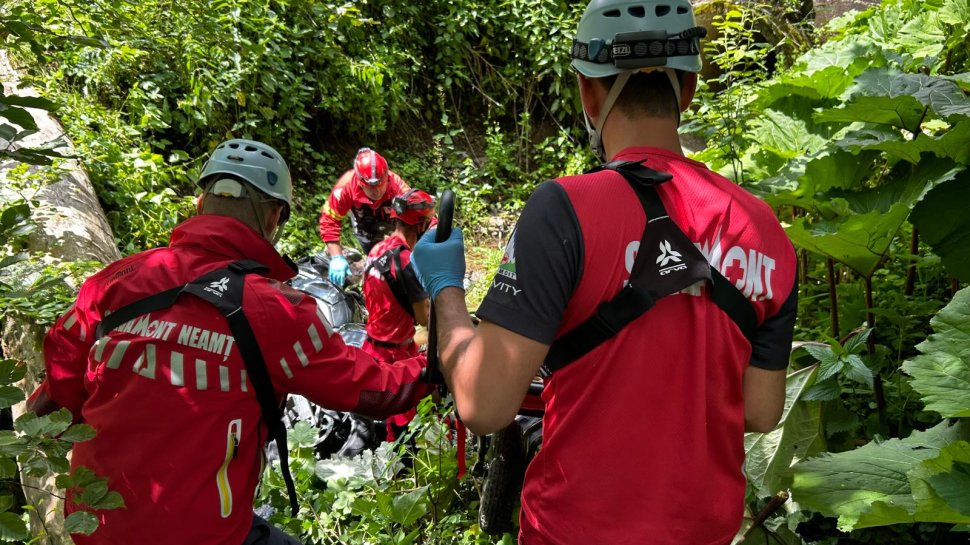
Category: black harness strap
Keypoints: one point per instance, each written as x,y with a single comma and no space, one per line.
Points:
223,288
677,266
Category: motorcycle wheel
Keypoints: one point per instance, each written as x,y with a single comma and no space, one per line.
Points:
503,483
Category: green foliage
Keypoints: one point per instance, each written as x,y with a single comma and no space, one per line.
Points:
155,85
855,140
39,446
858,137
376,497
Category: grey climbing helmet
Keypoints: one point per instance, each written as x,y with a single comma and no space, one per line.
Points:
257,163
623,35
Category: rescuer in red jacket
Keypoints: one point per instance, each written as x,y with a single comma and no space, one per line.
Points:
364,191
180,433
395,298
646,412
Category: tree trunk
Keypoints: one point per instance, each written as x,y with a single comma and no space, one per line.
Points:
71,226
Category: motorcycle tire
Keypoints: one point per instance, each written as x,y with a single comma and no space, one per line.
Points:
503,483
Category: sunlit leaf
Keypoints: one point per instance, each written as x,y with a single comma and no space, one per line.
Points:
869,486
941,373
768,456
860,239
81,522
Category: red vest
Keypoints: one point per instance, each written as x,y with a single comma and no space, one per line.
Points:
644,436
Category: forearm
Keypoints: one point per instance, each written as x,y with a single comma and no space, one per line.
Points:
488,368
334,248
455,330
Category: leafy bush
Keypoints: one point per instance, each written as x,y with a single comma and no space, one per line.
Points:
402,493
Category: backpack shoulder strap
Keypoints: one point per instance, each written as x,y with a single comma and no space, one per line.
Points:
678,266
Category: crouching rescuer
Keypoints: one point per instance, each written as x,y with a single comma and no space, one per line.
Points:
394,297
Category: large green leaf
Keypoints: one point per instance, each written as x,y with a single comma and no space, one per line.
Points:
11,371
889,97
952,144
903,112
941,374
18,116
869,486
867,221
852,56
768,456
944,224
777,131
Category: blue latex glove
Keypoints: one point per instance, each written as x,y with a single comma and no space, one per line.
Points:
338,269
440,265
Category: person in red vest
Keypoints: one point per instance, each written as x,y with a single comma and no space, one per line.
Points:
365,192
645,412
180,425
395,298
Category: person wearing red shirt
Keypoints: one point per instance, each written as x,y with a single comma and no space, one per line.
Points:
394,297
689,374
180,432
365,192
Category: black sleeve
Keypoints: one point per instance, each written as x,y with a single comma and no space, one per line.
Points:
771,345
541,267
412,286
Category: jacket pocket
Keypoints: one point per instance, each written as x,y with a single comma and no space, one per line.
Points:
233,435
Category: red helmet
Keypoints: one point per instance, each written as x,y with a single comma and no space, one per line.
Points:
413,207
370,167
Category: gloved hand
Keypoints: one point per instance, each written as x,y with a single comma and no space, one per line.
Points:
338,270
440,265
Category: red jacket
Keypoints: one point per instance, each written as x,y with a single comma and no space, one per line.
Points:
168,394
369,215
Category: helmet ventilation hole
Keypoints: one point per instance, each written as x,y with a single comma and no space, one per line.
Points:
611,13
251,148
681,10
663,10
267,155
234,145
637,11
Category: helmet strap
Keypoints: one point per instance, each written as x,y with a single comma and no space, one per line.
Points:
279,231
675,83
596,134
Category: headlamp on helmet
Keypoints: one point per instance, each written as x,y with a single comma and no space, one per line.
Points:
413,207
